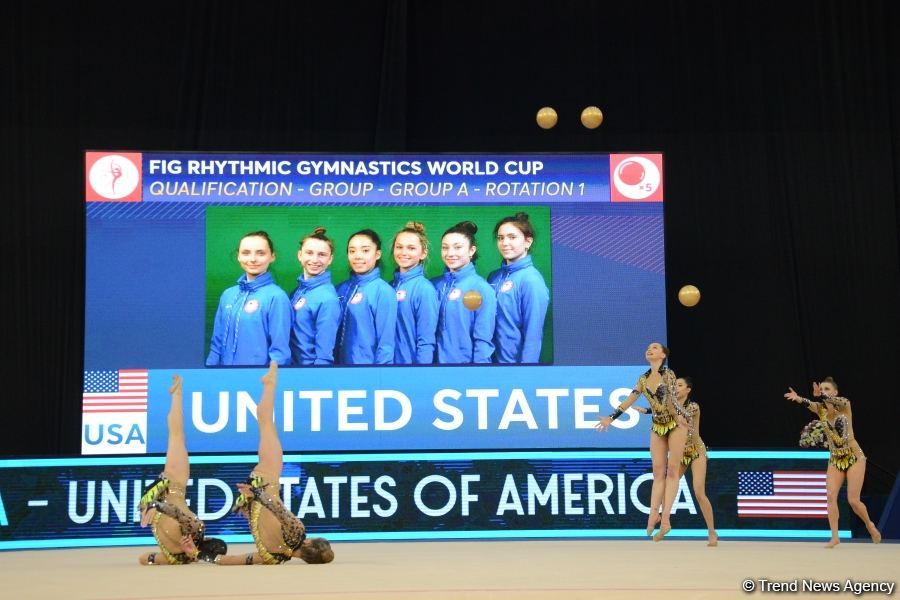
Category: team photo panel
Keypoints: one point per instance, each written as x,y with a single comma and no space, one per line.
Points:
378,285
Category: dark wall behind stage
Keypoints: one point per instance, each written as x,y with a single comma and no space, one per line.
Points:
780,122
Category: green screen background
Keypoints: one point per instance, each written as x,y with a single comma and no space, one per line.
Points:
225,225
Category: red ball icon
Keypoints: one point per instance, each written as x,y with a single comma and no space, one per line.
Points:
631,172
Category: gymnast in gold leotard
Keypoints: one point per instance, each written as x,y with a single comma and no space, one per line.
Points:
694,456
846,458
667,437
279,535
176,528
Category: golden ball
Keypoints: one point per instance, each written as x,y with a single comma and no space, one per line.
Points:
689,295
591,117
546,118
472,300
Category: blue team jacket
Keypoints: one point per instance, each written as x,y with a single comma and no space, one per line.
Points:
465,335
522,300
317,315
368,328
417,316
253,324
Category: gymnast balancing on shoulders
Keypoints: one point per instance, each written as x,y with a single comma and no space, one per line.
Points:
278,533
176,528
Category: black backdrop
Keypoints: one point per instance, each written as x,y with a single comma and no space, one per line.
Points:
780,122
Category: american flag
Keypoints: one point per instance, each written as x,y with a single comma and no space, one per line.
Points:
792,494
119,391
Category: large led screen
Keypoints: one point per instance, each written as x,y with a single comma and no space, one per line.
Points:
516,343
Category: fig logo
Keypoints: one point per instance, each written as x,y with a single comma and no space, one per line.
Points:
113,177
636,177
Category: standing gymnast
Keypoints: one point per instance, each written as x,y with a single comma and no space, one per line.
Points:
468,305
667,436
417,302
317,309
522,294
846,461
253,321
694,455
369,306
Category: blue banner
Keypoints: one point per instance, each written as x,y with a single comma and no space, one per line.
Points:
56,503
338,178
371,408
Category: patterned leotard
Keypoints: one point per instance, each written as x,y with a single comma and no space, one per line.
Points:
839,434
662,401
843,449
157,497
693,446
292,530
